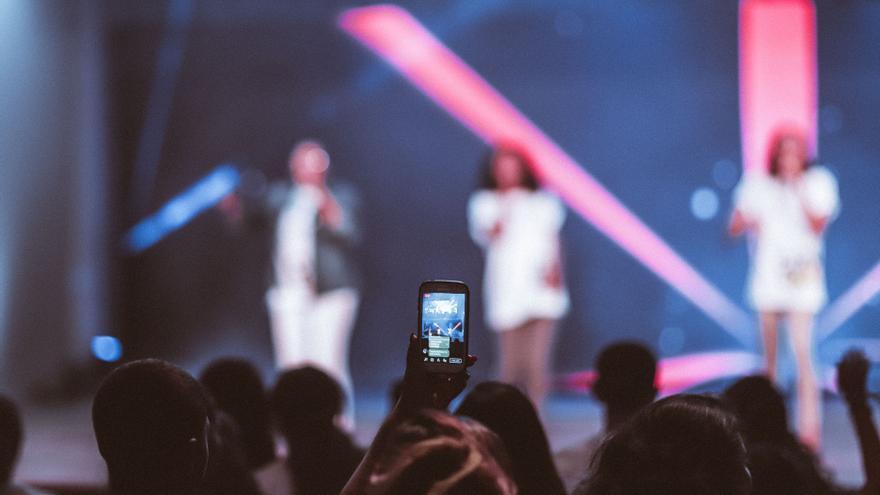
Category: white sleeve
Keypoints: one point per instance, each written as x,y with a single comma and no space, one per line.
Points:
549,211
482,216
747,197
821,192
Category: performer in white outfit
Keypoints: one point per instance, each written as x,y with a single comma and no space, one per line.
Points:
518,225
787,211
314,299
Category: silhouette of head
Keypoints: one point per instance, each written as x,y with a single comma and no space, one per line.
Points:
626,376
305,399
151,421
681,444
507,412
236,387
433,452
10,438
779,463
760,408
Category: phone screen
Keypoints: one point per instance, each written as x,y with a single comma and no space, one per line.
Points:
443,326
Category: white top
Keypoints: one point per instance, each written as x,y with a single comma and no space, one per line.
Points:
520,257
295,240
786,272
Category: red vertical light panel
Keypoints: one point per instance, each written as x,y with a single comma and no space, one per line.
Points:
777,64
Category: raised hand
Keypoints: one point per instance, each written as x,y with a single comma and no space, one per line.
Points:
423,389
852,375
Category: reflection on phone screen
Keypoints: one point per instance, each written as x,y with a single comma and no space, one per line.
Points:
443,327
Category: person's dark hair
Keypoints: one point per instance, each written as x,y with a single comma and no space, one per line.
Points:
237,389
776,457
760,408
775,149
10,438
433,452
779,471
320,456
507,412
626,374
681,444
487,177
151,422
306,395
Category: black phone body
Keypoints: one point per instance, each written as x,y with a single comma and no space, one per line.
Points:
444,306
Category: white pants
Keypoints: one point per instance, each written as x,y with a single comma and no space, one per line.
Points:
309,329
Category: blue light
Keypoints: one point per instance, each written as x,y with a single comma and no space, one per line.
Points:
671,341
704,203
106,348
182,208
725,174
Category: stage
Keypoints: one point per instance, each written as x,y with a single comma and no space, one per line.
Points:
60,449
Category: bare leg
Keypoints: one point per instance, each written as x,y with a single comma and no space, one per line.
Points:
512,344
538,364
809,417
769,334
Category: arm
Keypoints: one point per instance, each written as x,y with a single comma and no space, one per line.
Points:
420,390
817,222
852,373
819,198
747,205
338,214
739,224
253,209
484,223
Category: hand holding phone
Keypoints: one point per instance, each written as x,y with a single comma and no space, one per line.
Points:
437,358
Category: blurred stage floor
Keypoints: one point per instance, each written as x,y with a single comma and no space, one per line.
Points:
60,448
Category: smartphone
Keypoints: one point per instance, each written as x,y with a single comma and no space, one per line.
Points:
443,321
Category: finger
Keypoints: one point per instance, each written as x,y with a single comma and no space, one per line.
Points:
412,352
471,360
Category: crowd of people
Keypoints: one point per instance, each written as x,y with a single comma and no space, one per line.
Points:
162,431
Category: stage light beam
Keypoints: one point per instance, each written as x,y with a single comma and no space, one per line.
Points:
398,38
181,209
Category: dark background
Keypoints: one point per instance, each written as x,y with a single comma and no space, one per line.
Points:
644,94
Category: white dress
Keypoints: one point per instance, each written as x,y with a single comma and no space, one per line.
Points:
787,273
518,260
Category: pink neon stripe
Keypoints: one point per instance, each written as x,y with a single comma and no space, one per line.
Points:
850,302
777,74
682,372
404,43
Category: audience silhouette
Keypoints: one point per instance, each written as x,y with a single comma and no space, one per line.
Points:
11,436
624,385
779,463
236,387
507,412
320,455
152,425
684,444
162,432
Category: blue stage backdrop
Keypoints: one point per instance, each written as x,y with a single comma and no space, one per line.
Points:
643,94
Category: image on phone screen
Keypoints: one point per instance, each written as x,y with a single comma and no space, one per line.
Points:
443,325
